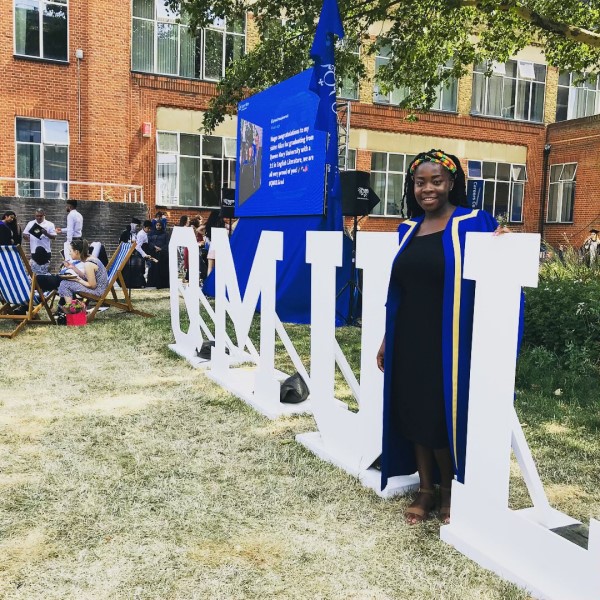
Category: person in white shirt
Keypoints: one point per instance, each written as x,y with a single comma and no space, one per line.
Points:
74,225
145,249
47,235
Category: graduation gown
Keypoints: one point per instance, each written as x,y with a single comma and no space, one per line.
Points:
457,325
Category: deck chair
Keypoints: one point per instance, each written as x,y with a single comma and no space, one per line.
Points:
115,275
21,298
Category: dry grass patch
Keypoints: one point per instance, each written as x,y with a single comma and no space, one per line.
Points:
126,474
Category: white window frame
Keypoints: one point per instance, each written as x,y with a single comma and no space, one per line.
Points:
559,185
228,161
407,158
524,70
351,166
393,97
219,25
574,90
397,95
356,83
441,93
42,144
41,5
513,182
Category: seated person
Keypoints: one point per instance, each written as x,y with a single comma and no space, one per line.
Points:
40,261
90,274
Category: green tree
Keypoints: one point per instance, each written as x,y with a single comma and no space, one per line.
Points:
422,35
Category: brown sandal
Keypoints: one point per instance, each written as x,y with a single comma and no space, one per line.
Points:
445,502
415,514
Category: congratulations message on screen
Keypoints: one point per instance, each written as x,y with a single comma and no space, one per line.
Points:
280,156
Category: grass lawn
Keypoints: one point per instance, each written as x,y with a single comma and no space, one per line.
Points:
126,474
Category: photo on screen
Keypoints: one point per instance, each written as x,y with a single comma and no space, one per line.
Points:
251,144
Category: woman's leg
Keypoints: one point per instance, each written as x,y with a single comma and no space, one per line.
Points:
443,458
423,504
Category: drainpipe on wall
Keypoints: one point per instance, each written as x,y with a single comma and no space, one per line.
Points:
543,194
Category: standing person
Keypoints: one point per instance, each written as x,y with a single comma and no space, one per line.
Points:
426,360
181,259
74,225
590,248
130,232
214,220
159,218
143,247
40,232
6,229
158,273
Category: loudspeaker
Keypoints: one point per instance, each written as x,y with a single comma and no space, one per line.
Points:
358,198
228,203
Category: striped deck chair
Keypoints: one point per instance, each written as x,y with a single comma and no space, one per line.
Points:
115,275
19,290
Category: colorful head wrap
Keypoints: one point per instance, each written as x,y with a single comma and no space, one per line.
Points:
435,156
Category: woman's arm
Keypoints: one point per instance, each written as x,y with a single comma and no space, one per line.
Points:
380,355
70,265
90,276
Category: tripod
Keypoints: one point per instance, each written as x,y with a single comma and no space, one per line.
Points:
353,285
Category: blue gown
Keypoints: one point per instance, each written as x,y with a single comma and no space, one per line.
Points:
457,324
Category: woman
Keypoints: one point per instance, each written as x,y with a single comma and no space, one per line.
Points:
158,272
427,344
90,273
214,220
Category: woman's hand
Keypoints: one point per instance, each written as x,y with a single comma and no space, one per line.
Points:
380,354
501,230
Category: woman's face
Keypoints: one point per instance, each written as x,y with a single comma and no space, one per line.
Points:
75,254
432,186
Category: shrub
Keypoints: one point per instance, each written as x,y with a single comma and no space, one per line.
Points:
563,312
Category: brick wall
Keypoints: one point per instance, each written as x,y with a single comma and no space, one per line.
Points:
577,141
102,221
456,127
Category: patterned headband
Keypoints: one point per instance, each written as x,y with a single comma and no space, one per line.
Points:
436,157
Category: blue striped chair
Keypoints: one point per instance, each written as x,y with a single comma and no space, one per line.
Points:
115,276
21,298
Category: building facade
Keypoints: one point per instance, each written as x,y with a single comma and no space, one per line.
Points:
105,101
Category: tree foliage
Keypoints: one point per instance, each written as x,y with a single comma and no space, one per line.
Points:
422,35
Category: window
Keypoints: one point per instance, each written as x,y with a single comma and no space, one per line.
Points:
446,93
387,181
576,101
41,29
192,169
503,187
561,193
162,45
42,158
395,96
351,166
515,90
349,86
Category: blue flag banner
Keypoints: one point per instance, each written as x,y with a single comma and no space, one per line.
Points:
323,83
293,273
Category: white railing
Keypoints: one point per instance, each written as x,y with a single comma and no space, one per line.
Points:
106,192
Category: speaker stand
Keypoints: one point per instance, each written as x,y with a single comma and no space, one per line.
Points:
352,285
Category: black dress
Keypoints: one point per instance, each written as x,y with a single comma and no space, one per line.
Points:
417,380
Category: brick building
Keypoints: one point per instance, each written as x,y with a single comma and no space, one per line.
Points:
104,102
